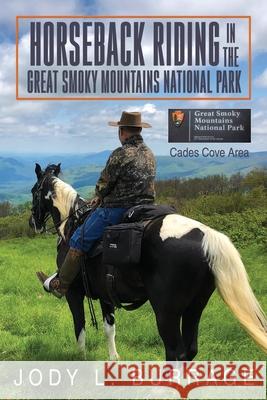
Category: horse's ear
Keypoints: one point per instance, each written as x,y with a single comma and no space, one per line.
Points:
38,170
58,169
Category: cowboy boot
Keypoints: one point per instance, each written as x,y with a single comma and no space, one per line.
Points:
58,283
51,284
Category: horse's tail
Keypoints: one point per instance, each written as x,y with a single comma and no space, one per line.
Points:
232,283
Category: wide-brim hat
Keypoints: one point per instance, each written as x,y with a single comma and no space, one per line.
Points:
130,119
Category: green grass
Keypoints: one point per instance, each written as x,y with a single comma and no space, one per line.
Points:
37,326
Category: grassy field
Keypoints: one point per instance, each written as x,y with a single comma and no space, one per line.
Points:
37,326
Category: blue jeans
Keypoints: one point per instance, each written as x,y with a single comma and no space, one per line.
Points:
93,228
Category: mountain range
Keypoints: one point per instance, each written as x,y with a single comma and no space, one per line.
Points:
81,171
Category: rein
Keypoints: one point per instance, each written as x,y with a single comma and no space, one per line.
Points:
56,226
55,230
83,267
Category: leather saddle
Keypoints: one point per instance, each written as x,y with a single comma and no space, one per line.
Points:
145,213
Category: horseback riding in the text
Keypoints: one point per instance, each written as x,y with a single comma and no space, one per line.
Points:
127,180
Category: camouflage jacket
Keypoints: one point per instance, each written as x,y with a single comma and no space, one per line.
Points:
128,177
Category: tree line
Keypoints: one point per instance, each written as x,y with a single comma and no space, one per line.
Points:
180,189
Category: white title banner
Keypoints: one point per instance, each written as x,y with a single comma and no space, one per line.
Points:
132,380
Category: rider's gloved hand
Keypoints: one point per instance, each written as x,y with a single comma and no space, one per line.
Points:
95,201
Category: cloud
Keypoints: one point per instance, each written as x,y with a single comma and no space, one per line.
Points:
195,7
259,122
146,109
261,80
10,9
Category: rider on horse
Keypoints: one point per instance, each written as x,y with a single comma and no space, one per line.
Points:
127,180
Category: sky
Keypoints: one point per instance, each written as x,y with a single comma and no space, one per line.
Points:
81,127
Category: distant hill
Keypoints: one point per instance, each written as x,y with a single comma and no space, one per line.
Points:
17,172
192,167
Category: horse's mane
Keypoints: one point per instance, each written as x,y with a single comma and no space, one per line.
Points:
64,197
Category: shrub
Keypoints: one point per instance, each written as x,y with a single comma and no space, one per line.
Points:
243,228
14,226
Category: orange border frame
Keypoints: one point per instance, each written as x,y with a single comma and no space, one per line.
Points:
134,17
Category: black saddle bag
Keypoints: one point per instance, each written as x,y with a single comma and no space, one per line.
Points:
122,244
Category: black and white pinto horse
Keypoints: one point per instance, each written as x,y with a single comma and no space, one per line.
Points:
182,262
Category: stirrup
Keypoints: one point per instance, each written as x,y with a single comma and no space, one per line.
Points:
50,288
46,283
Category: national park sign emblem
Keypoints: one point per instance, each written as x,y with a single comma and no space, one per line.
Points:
178,117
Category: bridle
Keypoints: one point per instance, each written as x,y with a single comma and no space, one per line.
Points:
37,200
37,196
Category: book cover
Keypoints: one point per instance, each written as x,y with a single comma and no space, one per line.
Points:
155,111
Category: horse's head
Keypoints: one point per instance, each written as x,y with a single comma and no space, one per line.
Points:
42,196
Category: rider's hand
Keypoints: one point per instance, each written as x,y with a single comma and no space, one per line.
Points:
95,201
